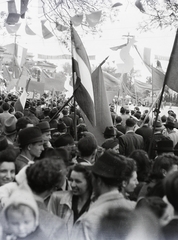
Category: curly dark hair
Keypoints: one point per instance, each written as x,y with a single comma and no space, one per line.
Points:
86,173
44,175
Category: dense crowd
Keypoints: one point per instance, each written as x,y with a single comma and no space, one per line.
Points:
57,182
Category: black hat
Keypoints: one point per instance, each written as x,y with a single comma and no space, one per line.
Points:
44,126
109,132
3,143
109,165
158,126
32,109
169,124
29,135
64,140
61,126
110,143
165,146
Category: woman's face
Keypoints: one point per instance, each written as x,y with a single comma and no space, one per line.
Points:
132,183
7,172
78,183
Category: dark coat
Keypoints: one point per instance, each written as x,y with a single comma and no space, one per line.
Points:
130,142
146,132
69,123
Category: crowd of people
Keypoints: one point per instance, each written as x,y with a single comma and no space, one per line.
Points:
57,182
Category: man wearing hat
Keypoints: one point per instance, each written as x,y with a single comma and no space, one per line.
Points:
31,144
157,136
9,129
107,175
130,141
46,133
32,115
5,114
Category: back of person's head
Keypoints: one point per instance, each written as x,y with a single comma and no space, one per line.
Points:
60,154
53,113
162,165
5,106
118,119
155,204
145,119
44,175
143,164
64,140
171,189
87,145
163,118
130,123
122,110
123,224
18,114
22,123
65,111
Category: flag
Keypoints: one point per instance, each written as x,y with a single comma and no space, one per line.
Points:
77,19
20,103
45,31
171,77
6,74
51,83
103,116
157,79
23,77
83,88
93,18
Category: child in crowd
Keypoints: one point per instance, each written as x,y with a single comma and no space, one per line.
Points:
20,217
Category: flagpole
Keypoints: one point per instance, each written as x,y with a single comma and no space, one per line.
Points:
73,80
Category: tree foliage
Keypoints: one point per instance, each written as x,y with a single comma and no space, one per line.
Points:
161,14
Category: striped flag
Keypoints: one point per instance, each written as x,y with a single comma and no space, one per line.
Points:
83,87
20,103
103,117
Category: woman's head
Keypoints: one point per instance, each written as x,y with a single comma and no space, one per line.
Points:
80,179
163,165
7,165
143,164
130,176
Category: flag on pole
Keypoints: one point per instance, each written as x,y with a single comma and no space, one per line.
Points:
171,77
83,87
20,103
103,117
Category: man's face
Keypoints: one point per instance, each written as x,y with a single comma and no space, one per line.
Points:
36,149
46,136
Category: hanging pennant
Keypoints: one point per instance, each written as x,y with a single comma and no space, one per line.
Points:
60,27
93,18
77,19
28,30
118,4
46,33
